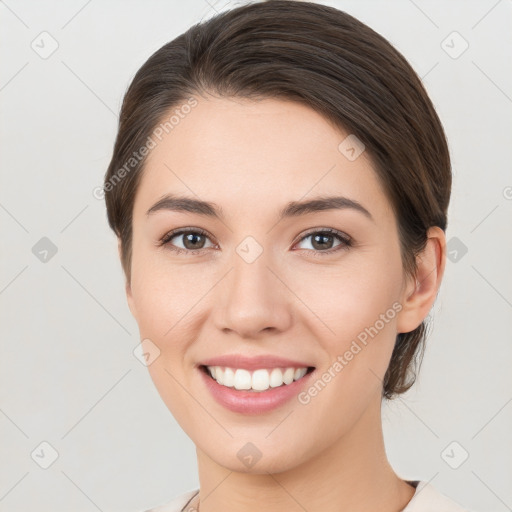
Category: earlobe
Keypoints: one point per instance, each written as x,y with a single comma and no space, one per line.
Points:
421,291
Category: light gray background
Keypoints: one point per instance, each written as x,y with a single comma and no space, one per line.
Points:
68,373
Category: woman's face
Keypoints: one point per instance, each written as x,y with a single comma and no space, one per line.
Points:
250,282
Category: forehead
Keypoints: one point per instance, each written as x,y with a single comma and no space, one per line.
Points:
247,154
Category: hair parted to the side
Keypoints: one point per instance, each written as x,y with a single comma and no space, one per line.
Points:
329,61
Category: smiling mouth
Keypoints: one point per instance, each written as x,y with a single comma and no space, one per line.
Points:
258,380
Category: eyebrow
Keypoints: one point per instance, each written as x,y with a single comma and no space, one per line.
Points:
292,209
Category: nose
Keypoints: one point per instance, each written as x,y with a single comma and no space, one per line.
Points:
252,299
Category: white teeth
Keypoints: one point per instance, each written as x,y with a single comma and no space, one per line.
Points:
228,378
276,378
288,375
258,380
299,373
242,379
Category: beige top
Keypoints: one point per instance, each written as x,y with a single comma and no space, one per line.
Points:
425,499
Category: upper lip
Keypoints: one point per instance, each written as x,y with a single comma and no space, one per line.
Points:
253,363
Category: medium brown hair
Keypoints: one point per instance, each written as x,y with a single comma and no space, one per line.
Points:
333,63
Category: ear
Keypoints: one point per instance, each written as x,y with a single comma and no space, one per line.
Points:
128,289
420,292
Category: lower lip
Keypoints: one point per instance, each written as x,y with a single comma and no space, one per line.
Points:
253,402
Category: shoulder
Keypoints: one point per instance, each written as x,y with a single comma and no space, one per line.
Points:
177,504
428,498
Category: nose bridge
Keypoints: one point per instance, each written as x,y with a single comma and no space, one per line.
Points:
251,298
250,274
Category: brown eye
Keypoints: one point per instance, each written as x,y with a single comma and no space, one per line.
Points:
324,241
186,240
193,241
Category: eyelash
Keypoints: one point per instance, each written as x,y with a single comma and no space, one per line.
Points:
346,241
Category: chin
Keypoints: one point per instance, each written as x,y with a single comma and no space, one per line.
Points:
256,454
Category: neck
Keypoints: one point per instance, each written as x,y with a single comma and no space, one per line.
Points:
352,475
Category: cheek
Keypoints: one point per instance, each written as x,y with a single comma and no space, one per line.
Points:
361,307
358,302
165,314
164,295
351,296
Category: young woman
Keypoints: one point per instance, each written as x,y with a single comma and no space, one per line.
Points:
279,187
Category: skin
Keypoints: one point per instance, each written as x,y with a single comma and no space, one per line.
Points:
250,158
